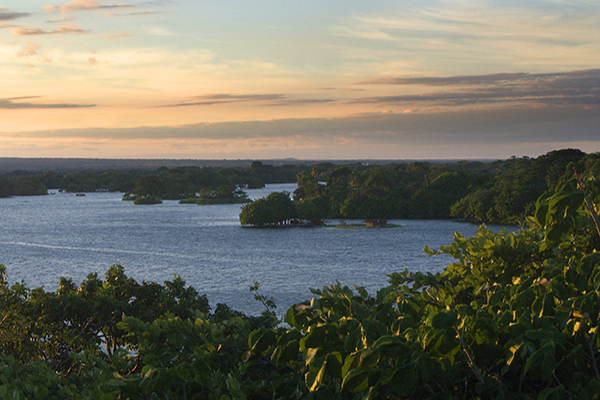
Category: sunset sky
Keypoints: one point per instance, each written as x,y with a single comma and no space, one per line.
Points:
304,79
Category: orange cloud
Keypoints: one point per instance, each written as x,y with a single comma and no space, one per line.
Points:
92,60
83,5
30,50
60,19
71,28
15,103
117,35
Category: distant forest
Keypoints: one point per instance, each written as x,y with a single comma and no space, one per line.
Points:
501,191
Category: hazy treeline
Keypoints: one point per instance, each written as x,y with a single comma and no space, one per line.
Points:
175,183
66,165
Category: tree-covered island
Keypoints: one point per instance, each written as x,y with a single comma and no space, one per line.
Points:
501,191
514,316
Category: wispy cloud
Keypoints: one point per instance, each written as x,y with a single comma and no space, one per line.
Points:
84,5
65,29
565,88
14,103
208,100
133,14
508,34
117,35
29,50
446,81
159,31
6,15
144,13
292,102
265,99
62,18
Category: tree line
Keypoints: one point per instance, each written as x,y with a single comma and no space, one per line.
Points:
168,184
514,316
502,191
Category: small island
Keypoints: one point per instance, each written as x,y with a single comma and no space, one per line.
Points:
147,200
278,210
224,194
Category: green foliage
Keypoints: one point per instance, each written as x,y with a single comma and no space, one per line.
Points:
176,183
313,209
20,183
224,194
275,209
502,191
515,316
147,200
45,326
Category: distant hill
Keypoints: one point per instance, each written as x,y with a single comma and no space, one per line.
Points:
62,165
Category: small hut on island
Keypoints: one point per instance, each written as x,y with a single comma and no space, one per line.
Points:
376,223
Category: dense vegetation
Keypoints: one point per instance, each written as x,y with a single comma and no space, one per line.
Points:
177,183
276,209
501,191
504,191
515,316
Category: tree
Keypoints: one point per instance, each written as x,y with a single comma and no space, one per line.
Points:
313,209
307,186
275,209
148,185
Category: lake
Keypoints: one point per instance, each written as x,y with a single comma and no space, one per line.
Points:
45,238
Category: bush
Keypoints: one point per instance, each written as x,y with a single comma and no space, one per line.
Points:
145,200
516,315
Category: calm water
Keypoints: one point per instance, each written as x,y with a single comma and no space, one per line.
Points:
48,237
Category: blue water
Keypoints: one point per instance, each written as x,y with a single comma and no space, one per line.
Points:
47,237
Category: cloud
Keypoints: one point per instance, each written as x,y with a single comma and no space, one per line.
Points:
84,5
446,81
509,125
30,50
565,88
62,18
208,100
92,60
144,13
159,31
6,15
117,35
462,133
14,103
292,102
71,28
271,99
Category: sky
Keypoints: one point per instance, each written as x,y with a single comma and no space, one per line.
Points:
261,79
